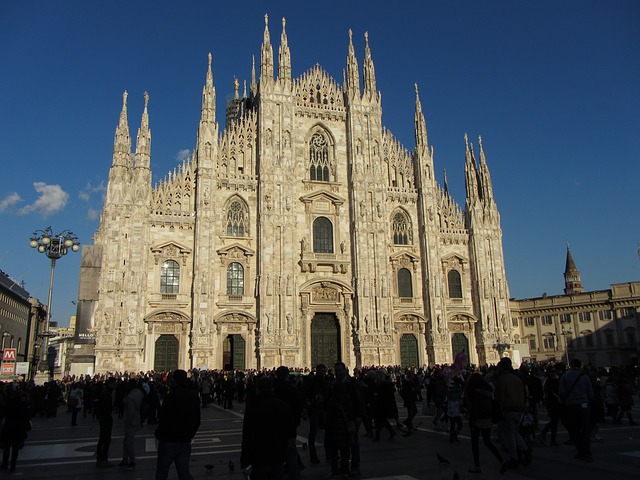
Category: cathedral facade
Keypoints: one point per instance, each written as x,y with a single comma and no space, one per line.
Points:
302,233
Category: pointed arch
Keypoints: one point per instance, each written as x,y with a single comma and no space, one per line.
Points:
237,217
401,227
320,155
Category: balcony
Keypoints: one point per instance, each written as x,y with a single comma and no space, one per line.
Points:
310,261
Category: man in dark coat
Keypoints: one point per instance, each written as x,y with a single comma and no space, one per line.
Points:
316,389
285,391
265,433
103,411
178,423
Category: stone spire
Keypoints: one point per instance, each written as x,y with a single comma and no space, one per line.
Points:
208,128
122,141
485,176
572,281
353,78
143,140
208,111
446,183
422,141
471,173
266,63
284,56
253,87
370,92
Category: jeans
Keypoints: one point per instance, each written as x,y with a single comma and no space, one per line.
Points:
170,452
128,444
515,443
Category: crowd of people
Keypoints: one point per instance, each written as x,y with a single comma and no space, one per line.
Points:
499,403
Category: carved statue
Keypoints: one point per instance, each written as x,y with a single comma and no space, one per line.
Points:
354,323
268,317
387,324
289,318
440,326
303,243
342,247
505,324
367,327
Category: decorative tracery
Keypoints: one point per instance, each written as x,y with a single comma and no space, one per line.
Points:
319,166
401,229
237,221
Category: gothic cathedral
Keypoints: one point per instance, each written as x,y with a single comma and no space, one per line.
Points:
304,233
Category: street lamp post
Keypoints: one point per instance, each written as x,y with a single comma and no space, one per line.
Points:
565,333
54,246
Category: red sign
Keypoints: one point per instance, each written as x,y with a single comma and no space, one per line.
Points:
8,368
9,355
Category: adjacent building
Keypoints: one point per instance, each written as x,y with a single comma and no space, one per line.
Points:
599,327
21,316
305,232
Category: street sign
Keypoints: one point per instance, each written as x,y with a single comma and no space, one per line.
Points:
9,355
8,368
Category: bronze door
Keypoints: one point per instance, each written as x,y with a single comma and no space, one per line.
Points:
233,352
459,343
408,350
166,357
325,340
237,352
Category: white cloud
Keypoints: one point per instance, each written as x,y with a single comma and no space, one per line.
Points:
9,201
85,193
52,199
182,155
93,214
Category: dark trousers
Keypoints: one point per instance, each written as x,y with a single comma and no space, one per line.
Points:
486,439
170,452
579,426
315,423
104,439
12,450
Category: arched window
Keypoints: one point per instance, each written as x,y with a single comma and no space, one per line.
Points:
455,284
170,277
236,219
318,158
322,235
235,279
401,229
405,287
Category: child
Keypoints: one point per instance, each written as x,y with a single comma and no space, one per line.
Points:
453,409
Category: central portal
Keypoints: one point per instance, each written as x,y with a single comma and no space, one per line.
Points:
166,356
325,340
233,352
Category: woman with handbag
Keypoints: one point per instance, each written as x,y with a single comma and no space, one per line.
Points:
478,398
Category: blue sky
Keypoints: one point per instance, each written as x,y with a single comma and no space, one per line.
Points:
551,86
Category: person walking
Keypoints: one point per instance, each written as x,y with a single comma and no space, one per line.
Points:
315,388
16,424
552,405
103,411
478,398
576,393
178,423
265,433
285,391
132,423
75,401
510,395
346,408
